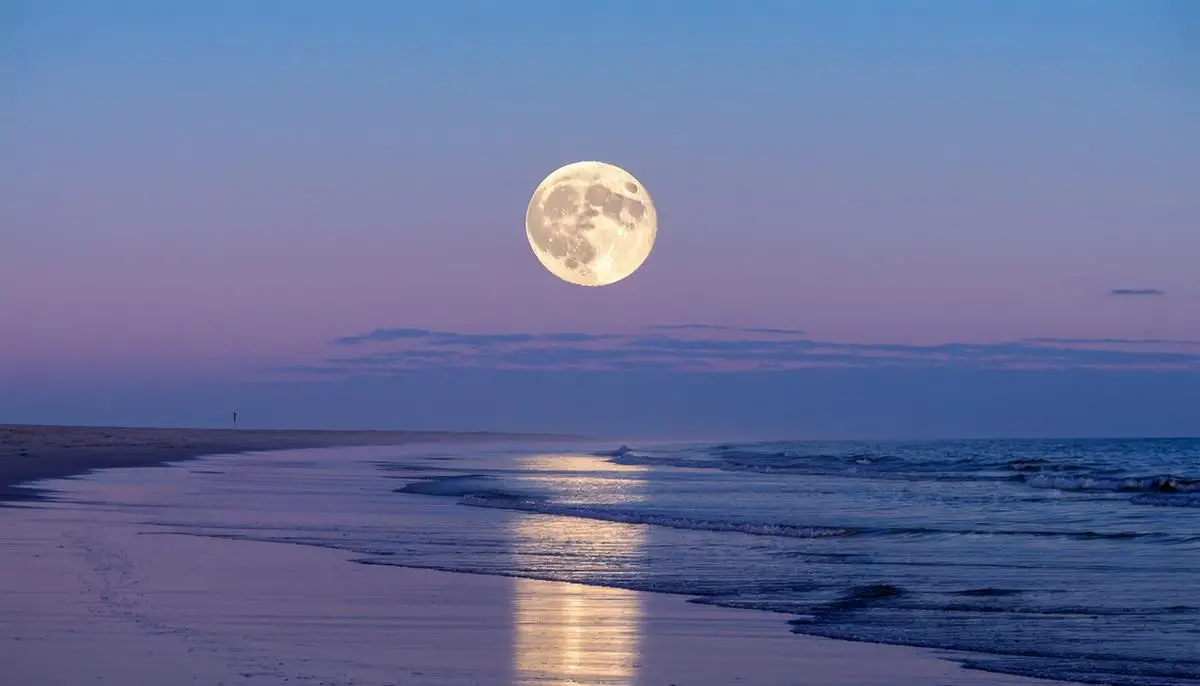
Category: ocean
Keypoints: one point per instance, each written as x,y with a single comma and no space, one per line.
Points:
1076,560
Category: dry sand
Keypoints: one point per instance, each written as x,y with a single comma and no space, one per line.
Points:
31,453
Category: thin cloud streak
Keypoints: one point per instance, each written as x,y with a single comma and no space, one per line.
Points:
1136,292
713,348
722,327
1113,341
452,338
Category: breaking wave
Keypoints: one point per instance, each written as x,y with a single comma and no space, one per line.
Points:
465,485
481,490
1033,472
508,502
1151,484
1164,500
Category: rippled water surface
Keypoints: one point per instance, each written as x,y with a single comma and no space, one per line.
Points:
1074,560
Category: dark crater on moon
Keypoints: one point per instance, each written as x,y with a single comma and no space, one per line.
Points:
560,217
554,227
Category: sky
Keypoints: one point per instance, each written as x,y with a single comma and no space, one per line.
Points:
919,218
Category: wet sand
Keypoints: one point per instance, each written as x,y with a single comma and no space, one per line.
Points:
96,586
84,601
31,453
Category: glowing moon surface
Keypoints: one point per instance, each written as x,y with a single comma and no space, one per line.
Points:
591,223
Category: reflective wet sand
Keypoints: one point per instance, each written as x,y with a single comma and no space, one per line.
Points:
92,592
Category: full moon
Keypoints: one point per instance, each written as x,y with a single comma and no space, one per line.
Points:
591,223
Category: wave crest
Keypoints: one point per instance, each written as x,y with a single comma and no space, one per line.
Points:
507,502
1165,483
1166,500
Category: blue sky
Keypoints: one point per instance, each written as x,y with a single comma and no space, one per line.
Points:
204,195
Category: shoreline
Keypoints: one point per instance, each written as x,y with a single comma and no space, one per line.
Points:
668,629
30,453
124,605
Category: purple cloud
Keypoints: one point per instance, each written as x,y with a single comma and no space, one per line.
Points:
1135,292
701,347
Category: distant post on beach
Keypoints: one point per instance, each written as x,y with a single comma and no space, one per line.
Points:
235,420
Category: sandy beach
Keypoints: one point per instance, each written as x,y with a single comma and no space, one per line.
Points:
142,602
146,610
30,453
264,622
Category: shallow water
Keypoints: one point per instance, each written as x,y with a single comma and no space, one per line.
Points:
1065,559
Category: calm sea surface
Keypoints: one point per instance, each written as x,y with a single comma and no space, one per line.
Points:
1076,560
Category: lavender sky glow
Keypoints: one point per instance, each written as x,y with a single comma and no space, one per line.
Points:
208,206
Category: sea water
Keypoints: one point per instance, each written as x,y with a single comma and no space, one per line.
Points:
1077,560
